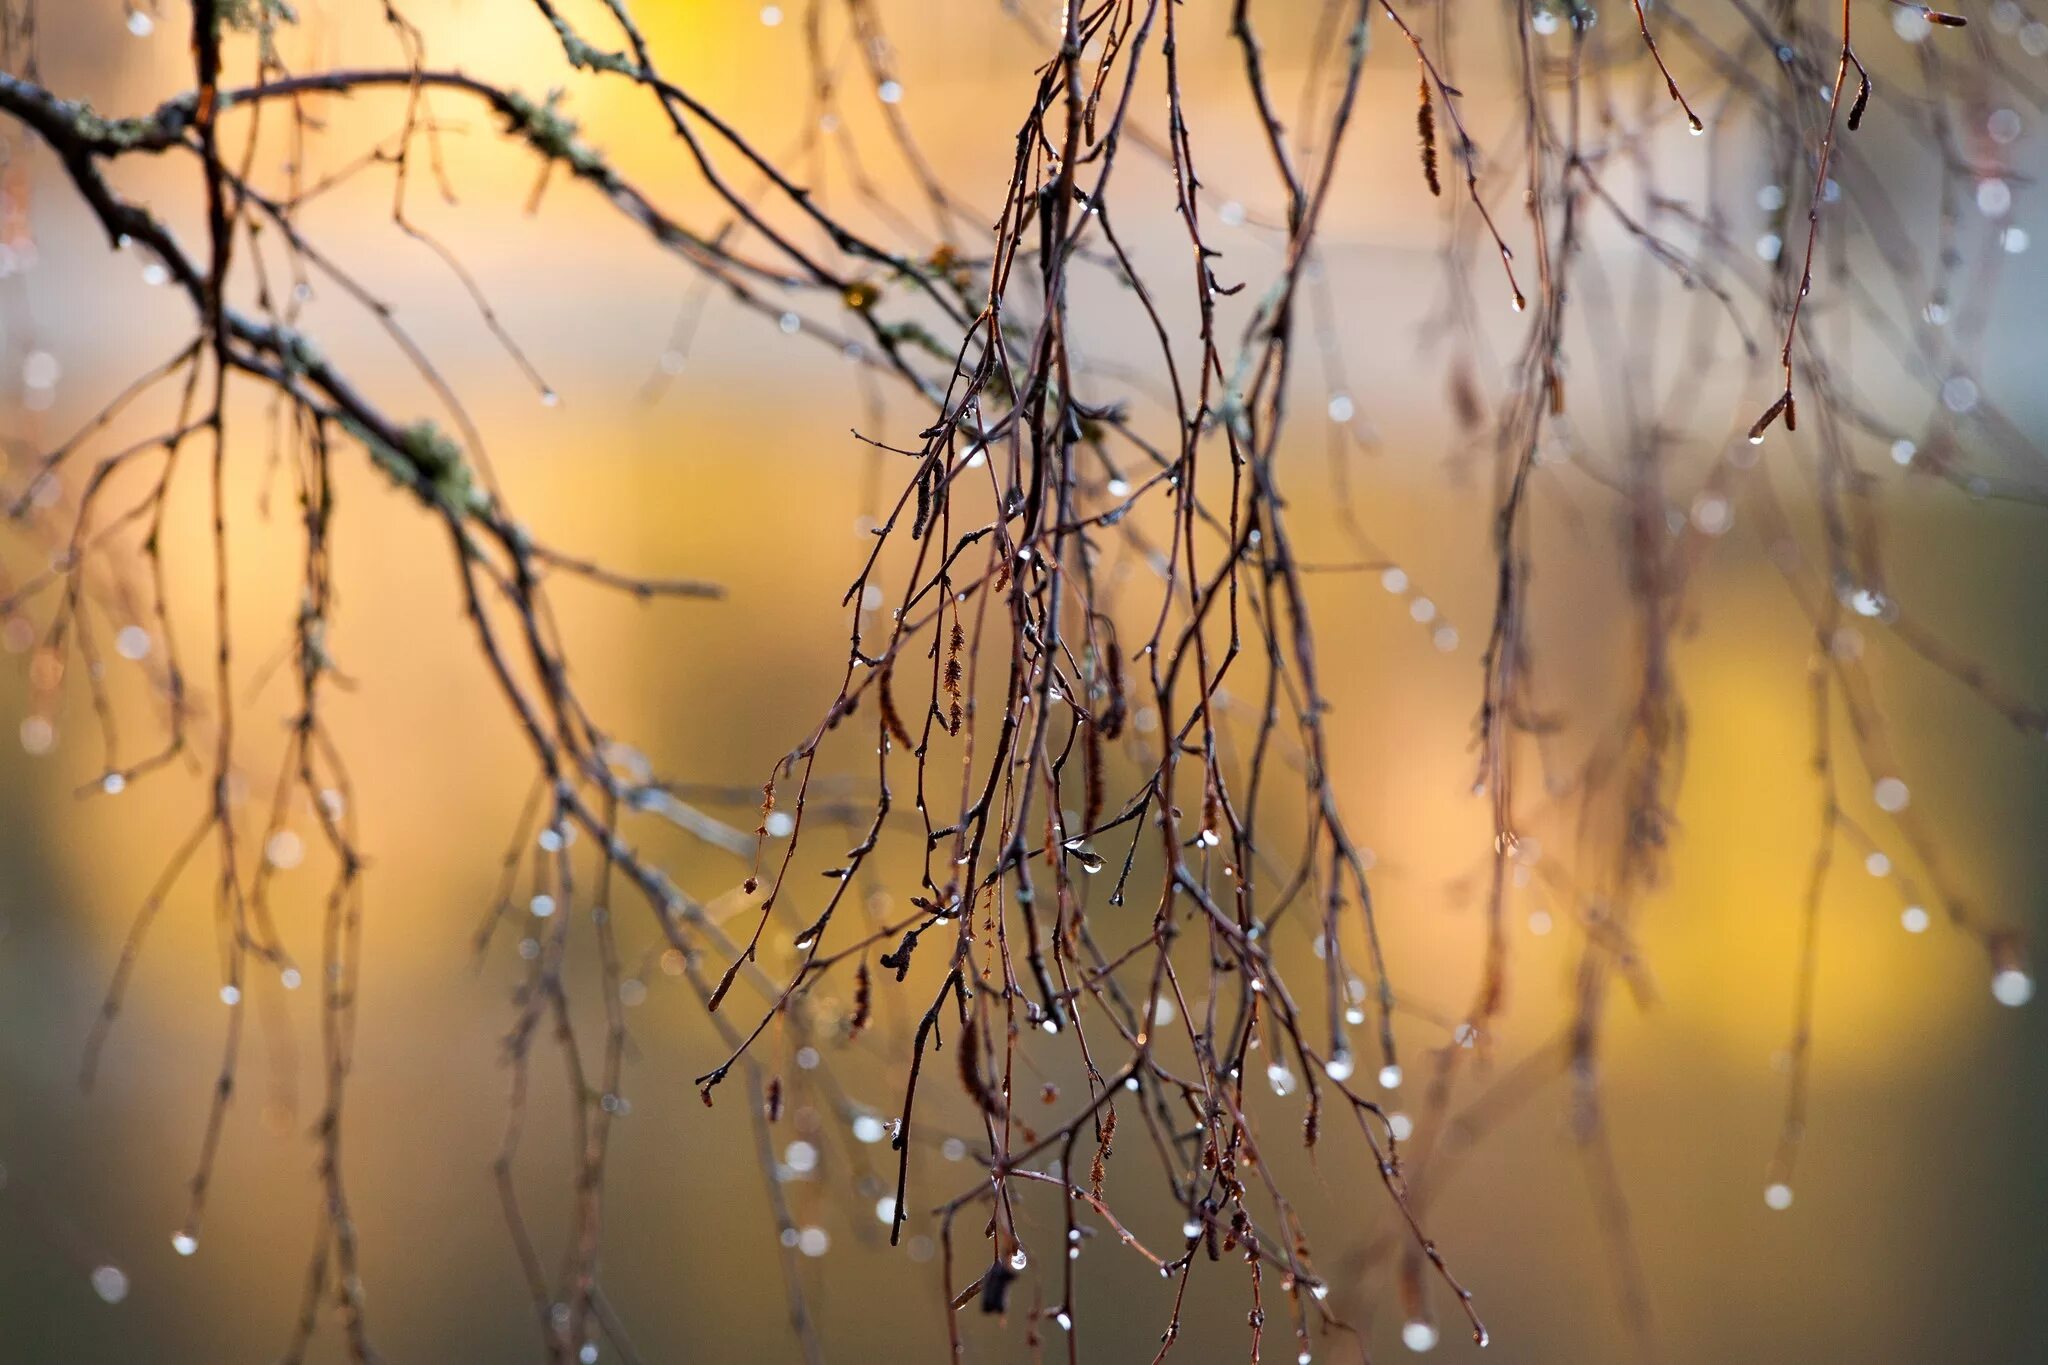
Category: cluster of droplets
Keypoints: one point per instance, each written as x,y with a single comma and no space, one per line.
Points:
1421,609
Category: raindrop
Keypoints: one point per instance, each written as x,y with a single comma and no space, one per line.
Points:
1390,1077
813,1241
231,995
1341,409
141,25
889,92
542,905
284,850
1280,1078
1914,919
1401,1126
779,824
1338,1068
113,784
868,1129
132,643
771,15
1394,580
1416,1334
38,736
184,1243
2012,987
111,1283
1890,794
1778,1195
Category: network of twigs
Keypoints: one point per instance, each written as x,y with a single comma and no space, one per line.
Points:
1095,681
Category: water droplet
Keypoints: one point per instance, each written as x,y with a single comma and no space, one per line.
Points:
779,824
1877,864
231,995
284,850
1994,197
1341,408
1390,1077
542,905
1018,1260
141,25
1914,919
1416,1334
110,1283
1394,579
2012,987
113,784
184,1243
771,15
889,92
132,643
38,736
885,1208
813,1241
1338,1068
868,1129
1890,794
289,978
548,399
1778,1195
1401,1126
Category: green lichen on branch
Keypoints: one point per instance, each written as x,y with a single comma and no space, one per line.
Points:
255,15
118,134
553,133
430,463
587,57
